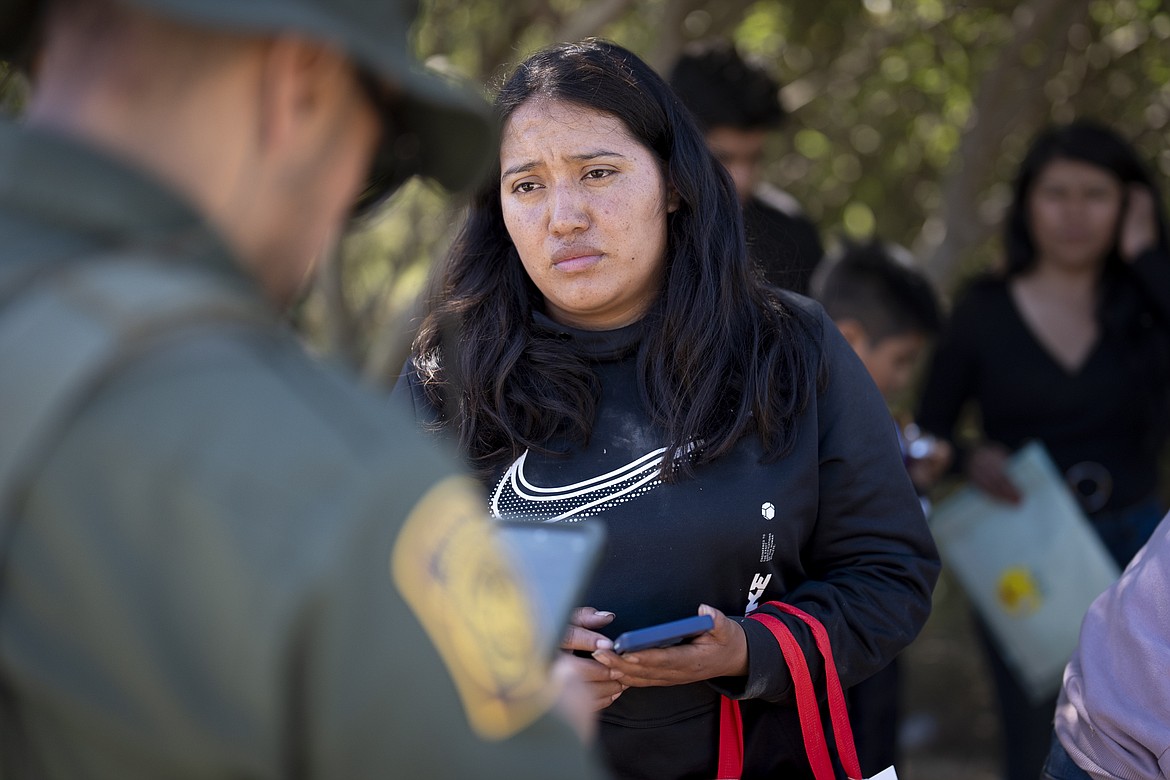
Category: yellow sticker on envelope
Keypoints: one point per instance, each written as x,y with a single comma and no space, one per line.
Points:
1018,592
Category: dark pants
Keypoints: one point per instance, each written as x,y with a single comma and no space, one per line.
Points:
875,713
1059,766
1026,728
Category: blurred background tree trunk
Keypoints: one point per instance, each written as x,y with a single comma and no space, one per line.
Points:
1008,100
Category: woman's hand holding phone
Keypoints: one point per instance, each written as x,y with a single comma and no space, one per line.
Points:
720,652
600,682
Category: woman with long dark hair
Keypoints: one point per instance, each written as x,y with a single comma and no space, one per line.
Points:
599,346
1068,345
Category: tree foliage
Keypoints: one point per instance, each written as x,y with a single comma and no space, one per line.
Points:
907,118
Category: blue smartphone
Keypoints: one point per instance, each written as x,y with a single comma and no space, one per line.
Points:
664,634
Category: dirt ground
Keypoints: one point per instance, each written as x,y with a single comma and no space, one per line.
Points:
949,728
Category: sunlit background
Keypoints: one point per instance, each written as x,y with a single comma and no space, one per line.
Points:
907,119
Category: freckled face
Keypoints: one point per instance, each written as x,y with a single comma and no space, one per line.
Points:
585,204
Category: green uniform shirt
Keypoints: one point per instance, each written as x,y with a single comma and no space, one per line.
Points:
208,575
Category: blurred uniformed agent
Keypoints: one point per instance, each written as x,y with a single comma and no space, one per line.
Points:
217,557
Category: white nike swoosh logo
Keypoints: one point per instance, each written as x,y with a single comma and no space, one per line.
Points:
515,496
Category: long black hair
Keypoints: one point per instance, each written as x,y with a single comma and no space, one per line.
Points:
722,354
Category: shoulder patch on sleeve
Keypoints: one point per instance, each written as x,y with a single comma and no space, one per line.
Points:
473,606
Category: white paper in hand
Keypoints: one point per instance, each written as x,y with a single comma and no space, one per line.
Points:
1031,571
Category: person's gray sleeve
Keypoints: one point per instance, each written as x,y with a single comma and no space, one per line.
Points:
1112,714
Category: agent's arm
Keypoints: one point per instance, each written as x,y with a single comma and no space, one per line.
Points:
419,650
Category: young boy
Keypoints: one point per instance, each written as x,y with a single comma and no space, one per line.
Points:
888,313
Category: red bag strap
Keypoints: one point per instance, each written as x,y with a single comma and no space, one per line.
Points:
806,698
808,710
730,740
838,710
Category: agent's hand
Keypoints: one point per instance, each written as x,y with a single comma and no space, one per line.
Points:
720,652
573,699
987,470
1139,224
601,686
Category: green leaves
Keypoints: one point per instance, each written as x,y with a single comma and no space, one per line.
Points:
907,117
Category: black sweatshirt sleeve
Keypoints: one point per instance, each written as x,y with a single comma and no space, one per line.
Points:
871,563
1152,268
950,380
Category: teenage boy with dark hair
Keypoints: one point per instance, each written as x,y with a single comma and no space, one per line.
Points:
737,105
888,313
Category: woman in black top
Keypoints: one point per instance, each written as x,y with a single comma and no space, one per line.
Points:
1070,345
600,347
